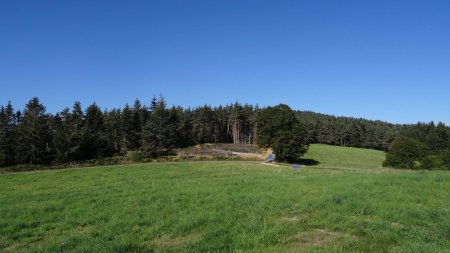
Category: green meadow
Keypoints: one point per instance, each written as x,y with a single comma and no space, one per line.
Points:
345,157
345,203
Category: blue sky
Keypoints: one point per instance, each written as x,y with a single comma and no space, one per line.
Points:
380,59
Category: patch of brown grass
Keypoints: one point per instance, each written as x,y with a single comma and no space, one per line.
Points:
315,238
295,218
396,225
166,241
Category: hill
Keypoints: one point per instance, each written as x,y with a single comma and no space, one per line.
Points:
343,157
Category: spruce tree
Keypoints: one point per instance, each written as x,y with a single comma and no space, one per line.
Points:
34,143
113,131
8,126
76,123
62,135
137,122
127,129
160,134
93,136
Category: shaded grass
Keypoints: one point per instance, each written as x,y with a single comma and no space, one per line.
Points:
344,157
224,207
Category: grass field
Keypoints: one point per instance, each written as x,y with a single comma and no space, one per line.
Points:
226,207
344,157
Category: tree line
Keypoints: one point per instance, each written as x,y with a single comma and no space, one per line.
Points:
34,136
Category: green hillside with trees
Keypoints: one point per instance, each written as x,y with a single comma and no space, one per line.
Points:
33,136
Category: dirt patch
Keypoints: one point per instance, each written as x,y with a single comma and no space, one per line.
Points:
315,238
295,218
244,151
396,225
176,241
271,164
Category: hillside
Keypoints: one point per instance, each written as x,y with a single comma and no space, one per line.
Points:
343,157
319,155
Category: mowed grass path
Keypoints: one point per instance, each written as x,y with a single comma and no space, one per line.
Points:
345,157
224,207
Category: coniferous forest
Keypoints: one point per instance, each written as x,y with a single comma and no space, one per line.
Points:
34,136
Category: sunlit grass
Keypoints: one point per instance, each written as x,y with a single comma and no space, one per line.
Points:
345,157
224,207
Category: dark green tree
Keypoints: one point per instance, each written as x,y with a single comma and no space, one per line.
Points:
34,142
138,119
113,131
160,134
272,121
76,123
291,145
438,138
184,128
8,127
279,128
62,131
128,136
94,142
445,155
404,152
203,124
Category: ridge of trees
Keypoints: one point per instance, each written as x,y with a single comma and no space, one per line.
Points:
33,136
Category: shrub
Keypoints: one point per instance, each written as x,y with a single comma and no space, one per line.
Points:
404,152
433,162
445,155
135,156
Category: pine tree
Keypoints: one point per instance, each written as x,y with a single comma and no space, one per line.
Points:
138,117
203,124
160,134
67,134
127,129
7,133
113,131
34,138
62,135
93,136
76,123
185,138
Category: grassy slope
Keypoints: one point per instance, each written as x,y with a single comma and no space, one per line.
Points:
224,206
344,157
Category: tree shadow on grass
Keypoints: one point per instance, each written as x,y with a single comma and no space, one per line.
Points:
308,162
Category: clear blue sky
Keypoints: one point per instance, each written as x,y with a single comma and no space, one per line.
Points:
378,59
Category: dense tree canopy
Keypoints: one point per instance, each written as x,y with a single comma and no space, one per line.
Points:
38,137
8,125
272,121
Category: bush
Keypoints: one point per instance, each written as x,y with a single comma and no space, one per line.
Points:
392,161
445,155
135,156
433,162
404,152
